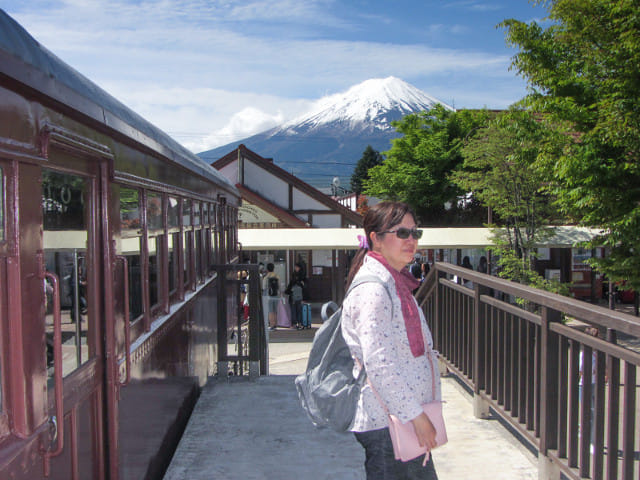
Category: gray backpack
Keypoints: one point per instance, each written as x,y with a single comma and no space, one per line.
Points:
296,293
327,390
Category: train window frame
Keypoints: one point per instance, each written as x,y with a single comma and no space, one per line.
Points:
154,223
157,307
4,371
196,211
187,210
173,236
173,213
215,228
173,270
3,202
6,252
136,230
198,256
135,257
205,214
188,267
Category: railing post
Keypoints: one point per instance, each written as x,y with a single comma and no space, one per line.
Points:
549,378
480,405
437,313
223,364
256,325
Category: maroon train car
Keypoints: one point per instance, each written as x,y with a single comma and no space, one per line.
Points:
108,231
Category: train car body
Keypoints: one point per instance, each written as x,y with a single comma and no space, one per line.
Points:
108,231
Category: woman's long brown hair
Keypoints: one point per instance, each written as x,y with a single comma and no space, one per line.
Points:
379,218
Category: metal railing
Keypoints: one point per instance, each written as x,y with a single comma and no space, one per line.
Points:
521,350
242,346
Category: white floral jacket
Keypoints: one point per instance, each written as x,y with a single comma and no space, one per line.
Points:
374,330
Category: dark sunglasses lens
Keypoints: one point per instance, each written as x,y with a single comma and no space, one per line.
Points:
403,233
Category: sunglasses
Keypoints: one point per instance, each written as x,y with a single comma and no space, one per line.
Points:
404,233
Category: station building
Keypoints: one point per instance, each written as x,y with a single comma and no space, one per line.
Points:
284,220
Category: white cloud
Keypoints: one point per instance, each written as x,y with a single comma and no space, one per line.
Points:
205,118
245,123
193,68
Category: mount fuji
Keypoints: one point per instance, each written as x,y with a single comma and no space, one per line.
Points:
328,141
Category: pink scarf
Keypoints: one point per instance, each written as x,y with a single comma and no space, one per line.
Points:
405,284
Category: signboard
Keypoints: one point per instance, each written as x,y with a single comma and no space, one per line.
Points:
248,213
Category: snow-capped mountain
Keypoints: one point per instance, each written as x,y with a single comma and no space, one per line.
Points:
329,140
366,106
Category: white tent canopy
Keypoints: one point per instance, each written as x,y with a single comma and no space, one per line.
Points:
346,238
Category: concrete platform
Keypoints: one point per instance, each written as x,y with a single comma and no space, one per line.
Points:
244,429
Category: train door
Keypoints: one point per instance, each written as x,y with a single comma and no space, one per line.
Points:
73,321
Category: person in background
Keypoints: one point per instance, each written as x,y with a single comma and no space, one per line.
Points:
271,288
416,266
482,265
389,337
425,270
295,290
466,263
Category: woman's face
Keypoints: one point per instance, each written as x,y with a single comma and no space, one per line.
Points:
398,252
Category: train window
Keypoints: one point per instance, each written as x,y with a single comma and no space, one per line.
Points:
197,251
214,231
205,214
129,209
65,204
196,213
154,244
187,249
186,213
131,249
154,211
173,213
174,251
2,215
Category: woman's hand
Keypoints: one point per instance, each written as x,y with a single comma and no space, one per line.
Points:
425,431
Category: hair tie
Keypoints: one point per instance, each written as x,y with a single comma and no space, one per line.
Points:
362,240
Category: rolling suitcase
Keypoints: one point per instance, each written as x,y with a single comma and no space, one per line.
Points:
306,315
283,318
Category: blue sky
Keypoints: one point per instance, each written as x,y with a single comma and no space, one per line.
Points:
212,71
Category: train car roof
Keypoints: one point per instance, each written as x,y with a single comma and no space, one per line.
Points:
17,44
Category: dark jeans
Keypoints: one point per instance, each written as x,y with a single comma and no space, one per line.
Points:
296,310
380,463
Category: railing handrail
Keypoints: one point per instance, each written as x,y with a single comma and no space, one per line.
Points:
532,366
588,312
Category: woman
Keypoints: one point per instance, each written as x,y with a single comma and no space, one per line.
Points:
390,337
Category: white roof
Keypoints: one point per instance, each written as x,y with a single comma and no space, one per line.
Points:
347,238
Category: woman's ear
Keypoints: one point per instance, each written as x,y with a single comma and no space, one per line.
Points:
374,240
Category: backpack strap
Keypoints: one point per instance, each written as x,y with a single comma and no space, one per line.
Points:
366,279
359,281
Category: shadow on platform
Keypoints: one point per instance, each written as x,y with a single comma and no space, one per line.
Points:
244,429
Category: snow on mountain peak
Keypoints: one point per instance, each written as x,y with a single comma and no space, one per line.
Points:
368,102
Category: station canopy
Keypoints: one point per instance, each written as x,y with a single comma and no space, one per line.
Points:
347,238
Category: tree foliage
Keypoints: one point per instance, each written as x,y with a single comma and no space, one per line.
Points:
583,73
370,158
418,165
500,168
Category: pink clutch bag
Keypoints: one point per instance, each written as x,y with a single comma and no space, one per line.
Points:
403,435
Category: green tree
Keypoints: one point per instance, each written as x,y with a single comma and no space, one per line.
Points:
583,72
418,165
500,168
370,158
